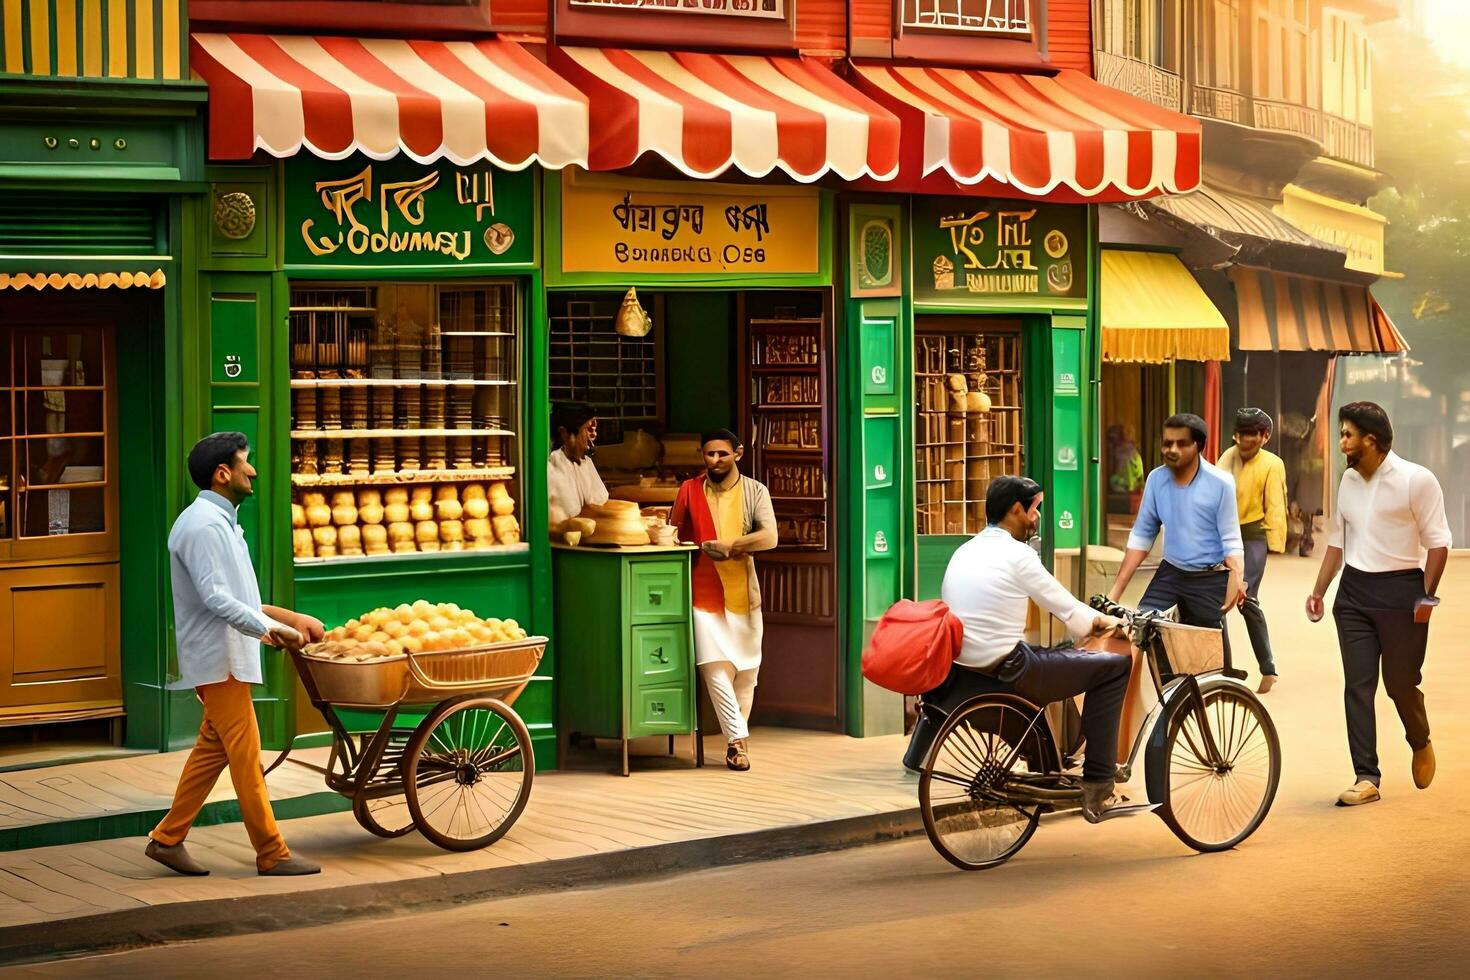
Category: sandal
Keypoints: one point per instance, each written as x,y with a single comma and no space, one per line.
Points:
736,757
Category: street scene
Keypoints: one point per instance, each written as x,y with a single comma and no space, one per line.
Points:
647,487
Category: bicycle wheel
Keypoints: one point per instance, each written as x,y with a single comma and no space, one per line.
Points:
961,787
386,816
468,773
1213,806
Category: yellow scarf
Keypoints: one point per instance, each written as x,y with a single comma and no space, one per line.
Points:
728,510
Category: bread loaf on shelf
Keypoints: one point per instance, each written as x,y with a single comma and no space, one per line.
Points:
375,539
301,543
426,533
400,535
298,516
507,529
349,540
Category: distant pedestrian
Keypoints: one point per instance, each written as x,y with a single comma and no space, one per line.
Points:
219,626
1260,502
1390,528
1202,573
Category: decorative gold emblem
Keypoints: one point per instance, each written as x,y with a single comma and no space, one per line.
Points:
234,215
1055,243
632,319
499,237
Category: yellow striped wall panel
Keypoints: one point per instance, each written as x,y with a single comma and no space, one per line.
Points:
141,39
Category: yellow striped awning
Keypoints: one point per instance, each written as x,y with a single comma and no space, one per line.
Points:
1281,312
83,280
1153,311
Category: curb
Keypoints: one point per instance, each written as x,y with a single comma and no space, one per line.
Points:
192,921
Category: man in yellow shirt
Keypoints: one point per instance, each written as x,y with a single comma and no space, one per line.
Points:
1260,499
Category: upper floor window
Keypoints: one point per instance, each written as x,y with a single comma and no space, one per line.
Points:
1282,52
1143,30
1217,43
769,9
997,18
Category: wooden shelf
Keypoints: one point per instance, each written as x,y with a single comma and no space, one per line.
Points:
395,477
395,433
497,549
399,382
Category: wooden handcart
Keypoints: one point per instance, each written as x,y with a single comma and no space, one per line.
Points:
462,775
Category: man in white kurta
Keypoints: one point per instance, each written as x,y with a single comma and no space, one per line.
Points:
729,516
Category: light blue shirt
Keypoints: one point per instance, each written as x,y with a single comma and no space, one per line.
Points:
1201,524
218,621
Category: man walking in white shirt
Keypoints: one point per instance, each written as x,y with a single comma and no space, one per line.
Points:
219,624
987,585
1391,529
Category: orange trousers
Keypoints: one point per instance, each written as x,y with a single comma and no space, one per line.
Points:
230,737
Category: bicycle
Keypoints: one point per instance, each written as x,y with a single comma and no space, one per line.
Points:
1211,756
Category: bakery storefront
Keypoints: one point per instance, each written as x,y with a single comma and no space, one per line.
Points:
676,307
400,404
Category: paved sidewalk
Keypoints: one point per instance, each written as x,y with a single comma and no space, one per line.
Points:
807,791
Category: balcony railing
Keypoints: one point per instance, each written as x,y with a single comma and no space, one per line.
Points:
1219,103
1344,139
1158,85
1286,117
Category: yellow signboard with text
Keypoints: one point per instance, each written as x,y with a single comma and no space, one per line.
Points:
618,224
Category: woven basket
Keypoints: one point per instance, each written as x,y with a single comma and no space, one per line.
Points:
1191,649
499,670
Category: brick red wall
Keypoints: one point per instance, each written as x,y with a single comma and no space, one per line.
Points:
1069,34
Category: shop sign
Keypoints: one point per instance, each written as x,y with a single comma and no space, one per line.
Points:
393,213
668,227
766,9
969,248
1357,229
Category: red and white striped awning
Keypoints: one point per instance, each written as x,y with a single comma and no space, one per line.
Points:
707,113
334,96
1062,137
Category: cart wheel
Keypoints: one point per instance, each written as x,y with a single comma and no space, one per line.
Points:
386,816
1213,807
467,773
962,787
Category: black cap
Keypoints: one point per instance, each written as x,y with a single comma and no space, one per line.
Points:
1252,420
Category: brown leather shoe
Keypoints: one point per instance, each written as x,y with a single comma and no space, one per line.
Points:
1424,766
737,757
175,858
290,867
1363,791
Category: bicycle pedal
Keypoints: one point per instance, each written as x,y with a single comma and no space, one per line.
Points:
1128,810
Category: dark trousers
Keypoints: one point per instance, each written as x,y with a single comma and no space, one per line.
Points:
1375,626
1199,596
1254,615
1041,677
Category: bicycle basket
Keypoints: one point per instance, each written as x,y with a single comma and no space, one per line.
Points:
1190,649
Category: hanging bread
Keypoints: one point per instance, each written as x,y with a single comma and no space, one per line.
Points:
349,540
508,530
375,539
301,543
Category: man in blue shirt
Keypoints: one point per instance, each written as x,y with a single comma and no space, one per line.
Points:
1203,571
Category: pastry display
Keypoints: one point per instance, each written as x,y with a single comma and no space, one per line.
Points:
404,409
618,522
422,627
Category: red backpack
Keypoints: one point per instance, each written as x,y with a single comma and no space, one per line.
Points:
913,646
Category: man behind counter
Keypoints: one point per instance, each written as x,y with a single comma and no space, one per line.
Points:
572,480
729,516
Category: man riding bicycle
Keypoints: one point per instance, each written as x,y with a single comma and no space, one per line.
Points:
987,585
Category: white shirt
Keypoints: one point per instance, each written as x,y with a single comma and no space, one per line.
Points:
1390,520
571,486
987,584
218,621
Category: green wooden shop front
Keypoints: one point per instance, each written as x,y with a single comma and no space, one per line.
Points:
967,353
372,331
102,196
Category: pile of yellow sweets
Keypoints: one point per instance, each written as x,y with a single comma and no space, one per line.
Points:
420,627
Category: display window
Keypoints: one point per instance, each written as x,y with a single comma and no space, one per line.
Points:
968,418
404,407
56,426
